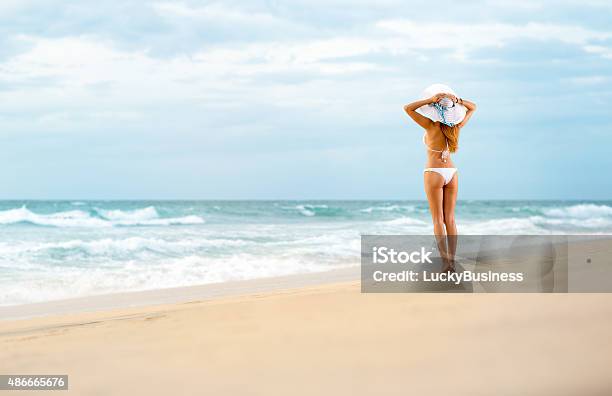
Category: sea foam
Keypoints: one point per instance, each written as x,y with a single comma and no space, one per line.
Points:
581,211
61,249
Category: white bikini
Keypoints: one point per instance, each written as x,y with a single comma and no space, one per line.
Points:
446,173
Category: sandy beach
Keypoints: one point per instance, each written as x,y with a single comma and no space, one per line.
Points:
327,339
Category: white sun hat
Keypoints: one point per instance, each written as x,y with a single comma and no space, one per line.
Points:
445,110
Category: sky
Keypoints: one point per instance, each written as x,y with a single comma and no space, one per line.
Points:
300,100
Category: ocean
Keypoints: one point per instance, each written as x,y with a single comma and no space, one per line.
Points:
52,250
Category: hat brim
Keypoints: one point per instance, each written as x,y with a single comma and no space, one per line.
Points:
453,115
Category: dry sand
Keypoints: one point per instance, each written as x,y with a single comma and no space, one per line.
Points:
327,339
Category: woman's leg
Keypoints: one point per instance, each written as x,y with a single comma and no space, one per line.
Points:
434,189
450,200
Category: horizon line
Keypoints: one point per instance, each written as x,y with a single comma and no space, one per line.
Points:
289,199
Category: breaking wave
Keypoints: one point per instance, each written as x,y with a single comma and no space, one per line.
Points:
105,218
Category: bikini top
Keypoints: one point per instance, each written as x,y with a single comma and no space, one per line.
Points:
444,153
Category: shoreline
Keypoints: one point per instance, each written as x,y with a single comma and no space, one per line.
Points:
593,278
175,295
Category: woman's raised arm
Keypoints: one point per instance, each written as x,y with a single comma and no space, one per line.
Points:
423,121
471,108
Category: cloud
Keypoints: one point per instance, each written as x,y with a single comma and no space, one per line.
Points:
218,13
587,80
461,38
605,52
56,76
219,23
81,62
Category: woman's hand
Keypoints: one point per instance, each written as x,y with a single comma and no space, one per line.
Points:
439,96
451,97
436,98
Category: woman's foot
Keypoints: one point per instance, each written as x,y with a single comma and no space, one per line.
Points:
449,266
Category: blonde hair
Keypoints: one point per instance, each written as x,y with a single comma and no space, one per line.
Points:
452,136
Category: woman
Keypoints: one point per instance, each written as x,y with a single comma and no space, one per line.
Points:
442,114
